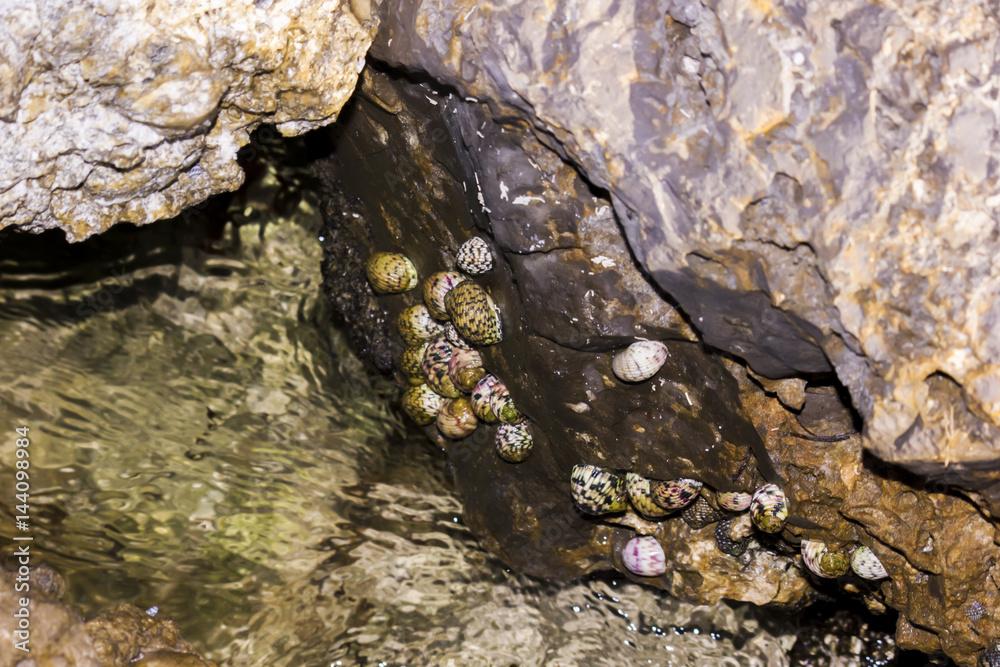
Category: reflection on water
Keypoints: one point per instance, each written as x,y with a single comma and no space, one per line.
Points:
205,443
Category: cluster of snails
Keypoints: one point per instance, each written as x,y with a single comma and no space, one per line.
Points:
449,386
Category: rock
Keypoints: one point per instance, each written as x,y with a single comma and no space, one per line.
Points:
571,294
132,111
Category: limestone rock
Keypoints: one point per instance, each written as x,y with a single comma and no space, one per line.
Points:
124,110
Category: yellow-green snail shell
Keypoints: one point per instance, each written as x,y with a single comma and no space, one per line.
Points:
435,368
411,363
481,395
640,493
769,508
514,442
502,405
474,314
391,273
597,491
824,561
436,288
465,368
474,256
416,325
456,420
734,501
639,361
676,493
421,404
866,564
732,536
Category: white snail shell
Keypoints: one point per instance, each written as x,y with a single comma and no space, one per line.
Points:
639,361
769,508
866,564
514,442
474,256
643,556
823,561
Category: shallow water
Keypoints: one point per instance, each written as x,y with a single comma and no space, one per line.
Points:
204,442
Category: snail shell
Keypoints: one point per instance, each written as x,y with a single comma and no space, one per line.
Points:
644,557
822,560
866,564
474,256
474,314
481,395
676,493
465,368
597,491
411,363
416,324
456,419
641,494
732,535
700,513
514,442
502,405
768,508
435,368
452,336
391,273
734,501
421,404
436,287
639,361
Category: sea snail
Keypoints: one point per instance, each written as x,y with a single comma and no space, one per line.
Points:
768,508
435,366
465,368
640,493
502,405
474,314
421,404
639,361
456,419
824,561
436,287
734,501
597,491
412,361
474,256
643,556
416,325
676,493
391,273
866,564
481,395
514,442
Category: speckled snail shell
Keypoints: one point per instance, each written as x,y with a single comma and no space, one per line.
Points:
597,491
391,273
822,560
768,508
474,256
474,314
456,419
676,493
514,442
435,368
734,501
421,404
502,405
866,564
639,361
643,556
481,395
411,363
436,287
701,513
452,336
640,494
732,536
465,368
416,324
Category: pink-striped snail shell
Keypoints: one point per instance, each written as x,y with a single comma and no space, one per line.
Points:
416,325
502,405
676,493
640,493
481,395
391,273
643,556
421,404
436,287
824,561
514,442
733,501
465,368
474,256
866,564
456,420
639,361
596,490
769,508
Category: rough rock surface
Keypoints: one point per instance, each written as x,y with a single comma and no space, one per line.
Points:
124,110
419,170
